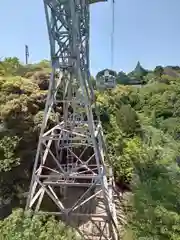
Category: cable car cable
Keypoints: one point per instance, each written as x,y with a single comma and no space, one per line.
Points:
112,34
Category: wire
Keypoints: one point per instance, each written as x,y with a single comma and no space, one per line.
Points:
112,34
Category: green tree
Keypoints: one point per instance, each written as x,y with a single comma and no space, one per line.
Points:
22,225
9,66
158,71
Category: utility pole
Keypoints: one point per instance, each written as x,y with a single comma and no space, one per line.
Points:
26,53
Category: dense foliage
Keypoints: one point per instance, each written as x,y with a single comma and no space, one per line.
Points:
23,226
142,129
22,101
142,134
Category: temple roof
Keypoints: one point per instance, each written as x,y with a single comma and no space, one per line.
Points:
139,68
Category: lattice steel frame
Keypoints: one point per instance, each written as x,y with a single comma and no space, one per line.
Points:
71,90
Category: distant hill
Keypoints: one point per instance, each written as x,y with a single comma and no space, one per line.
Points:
140,75
172,71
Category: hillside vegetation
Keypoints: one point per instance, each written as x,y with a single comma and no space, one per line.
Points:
142,129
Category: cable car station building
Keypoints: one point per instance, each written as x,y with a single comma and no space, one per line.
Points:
106,79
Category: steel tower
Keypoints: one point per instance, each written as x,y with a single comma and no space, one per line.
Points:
70,166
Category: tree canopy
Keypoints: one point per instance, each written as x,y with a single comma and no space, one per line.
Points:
141,127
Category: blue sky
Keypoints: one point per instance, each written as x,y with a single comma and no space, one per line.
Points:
145,30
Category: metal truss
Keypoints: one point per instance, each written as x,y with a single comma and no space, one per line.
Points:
69,166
